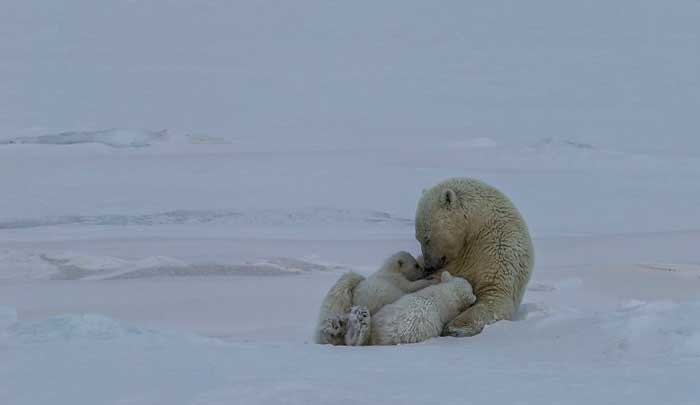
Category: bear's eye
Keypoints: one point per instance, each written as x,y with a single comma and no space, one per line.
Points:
417,266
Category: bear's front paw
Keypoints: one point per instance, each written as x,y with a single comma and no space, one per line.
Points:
469,329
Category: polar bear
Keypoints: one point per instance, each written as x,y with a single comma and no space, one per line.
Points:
474,231
421,315
332,318
399,274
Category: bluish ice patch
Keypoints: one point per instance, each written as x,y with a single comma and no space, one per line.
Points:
117,138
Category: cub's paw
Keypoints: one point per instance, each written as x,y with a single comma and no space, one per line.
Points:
359,321
333,330
359,314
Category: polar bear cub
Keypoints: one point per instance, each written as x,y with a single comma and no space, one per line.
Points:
400,274
422,315
345,320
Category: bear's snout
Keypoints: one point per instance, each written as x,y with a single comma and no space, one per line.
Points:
433,266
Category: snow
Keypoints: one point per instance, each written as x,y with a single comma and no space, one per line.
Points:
140,268
109,137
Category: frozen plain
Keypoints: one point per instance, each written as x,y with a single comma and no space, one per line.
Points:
185,267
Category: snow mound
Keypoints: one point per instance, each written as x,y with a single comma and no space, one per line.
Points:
564,143
89,327
24,265
680,269
541,287
546,154
297,265
8,316
175,217
87,263
71,326
118,138
69,266
656,328
274,267
293,392
203,139
473,143
533,310
313,216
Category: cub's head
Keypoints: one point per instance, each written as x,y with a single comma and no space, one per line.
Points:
406,264
440,226
460,286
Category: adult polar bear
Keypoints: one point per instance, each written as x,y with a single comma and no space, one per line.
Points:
474,231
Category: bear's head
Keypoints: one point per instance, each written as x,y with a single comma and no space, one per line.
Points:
440,226
407,265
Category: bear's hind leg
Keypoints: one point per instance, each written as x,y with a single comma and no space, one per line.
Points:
359,323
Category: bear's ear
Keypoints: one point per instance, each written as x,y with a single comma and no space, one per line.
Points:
445,276
424,191
448,198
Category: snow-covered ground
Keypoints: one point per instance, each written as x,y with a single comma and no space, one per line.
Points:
180,184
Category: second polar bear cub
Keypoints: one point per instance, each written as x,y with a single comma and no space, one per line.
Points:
345,317
400,274
422,315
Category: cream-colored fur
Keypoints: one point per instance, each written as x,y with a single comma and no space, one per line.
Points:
422,315
332,317
399,274
474,231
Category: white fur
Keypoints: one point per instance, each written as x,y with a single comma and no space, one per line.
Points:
398,275
330,328
421,315
474,231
